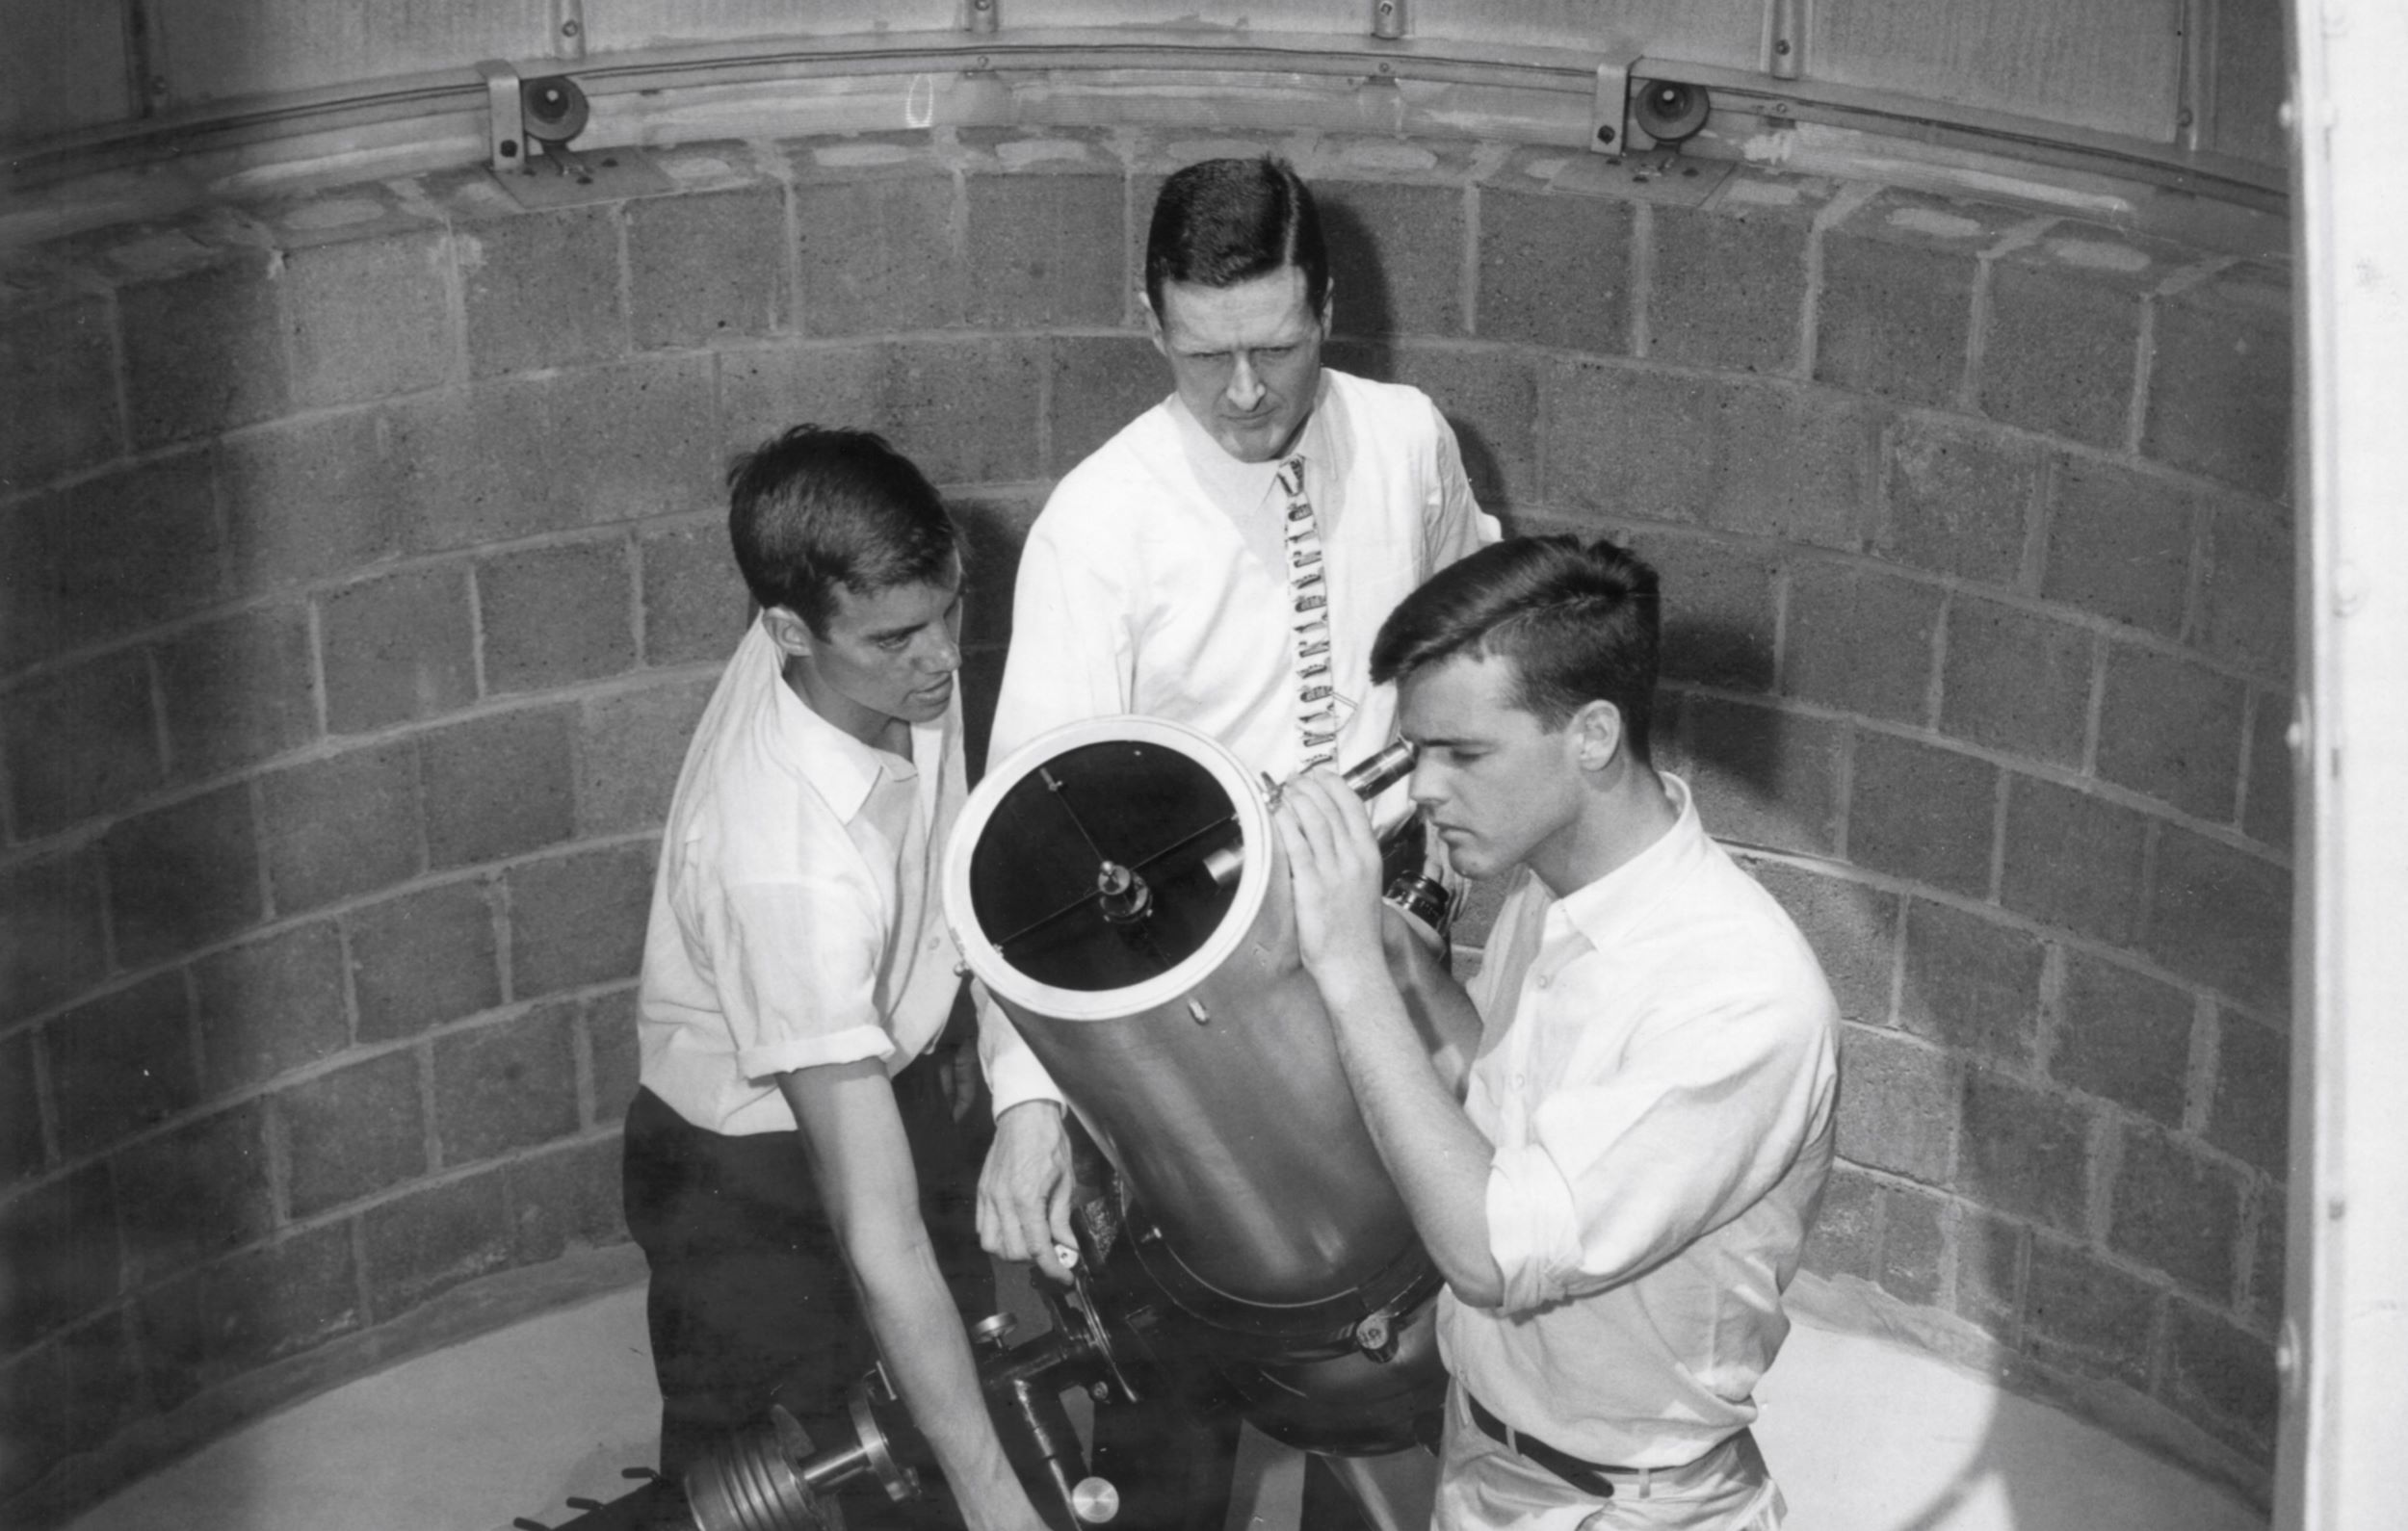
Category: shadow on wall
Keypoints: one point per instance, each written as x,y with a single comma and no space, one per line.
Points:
1370,313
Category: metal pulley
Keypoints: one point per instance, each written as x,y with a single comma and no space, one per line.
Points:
1668,111
552,110
767,1477
531,127
757,1482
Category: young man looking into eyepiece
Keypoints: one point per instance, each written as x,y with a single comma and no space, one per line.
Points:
1618,1199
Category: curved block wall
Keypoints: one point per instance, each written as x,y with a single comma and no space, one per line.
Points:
366,572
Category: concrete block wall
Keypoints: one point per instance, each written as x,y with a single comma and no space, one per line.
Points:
366,574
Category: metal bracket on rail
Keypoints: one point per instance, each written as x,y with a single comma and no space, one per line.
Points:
1631,113
526,119
506,127
1609,113
530,124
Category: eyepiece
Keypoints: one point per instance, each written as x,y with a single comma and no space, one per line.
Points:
1367,779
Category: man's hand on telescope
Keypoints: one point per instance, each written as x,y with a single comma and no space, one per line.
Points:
1024,1191
1438,1158
1333,858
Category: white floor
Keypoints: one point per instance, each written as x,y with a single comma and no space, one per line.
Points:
1869,1435
464,1439
1864,1435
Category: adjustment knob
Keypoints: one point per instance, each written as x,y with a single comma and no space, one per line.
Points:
1095,1500
993,1329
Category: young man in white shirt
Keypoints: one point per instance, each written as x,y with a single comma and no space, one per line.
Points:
797,970
1618,1199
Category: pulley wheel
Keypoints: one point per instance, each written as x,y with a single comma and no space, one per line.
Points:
1668,111
554,108
752,1483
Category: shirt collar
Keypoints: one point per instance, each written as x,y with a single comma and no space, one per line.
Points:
1237,486
1604,911
838,767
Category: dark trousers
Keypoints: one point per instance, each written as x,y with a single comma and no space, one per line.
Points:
750,1301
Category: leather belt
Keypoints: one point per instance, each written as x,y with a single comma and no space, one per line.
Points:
1589,1477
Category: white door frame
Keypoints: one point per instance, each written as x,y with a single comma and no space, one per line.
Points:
2343,1460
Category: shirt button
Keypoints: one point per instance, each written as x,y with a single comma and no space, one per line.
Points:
1544,981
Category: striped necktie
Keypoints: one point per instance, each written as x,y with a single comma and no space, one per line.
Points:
1308,599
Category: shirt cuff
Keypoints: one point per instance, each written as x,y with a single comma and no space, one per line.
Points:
1532,1228
849,1045
1016,1077
1013,1074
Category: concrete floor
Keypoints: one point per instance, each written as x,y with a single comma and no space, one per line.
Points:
1864,1435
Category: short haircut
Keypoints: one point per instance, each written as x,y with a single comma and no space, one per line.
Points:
1579,623
1220,222
818,509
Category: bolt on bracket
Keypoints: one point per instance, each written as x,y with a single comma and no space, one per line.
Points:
506,122
1611,128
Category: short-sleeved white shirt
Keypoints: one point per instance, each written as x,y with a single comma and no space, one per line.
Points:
1657,1072
794,921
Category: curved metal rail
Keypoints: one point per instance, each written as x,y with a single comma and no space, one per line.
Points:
1558,84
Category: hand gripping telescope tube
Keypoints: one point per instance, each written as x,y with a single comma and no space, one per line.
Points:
1119,887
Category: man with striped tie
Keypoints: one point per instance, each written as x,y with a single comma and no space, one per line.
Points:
1223,562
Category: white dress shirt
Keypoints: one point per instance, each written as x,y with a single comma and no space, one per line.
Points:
1155,582
794,919
1657,1071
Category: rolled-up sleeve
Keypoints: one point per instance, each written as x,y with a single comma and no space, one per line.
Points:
798,965
1530,1211
1694,1123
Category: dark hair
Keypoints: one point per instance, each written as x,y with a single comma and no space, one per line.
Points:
1579,623
1220,222
816,509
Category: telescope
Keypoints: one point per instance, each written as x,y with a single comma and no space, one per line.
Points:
1120,888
